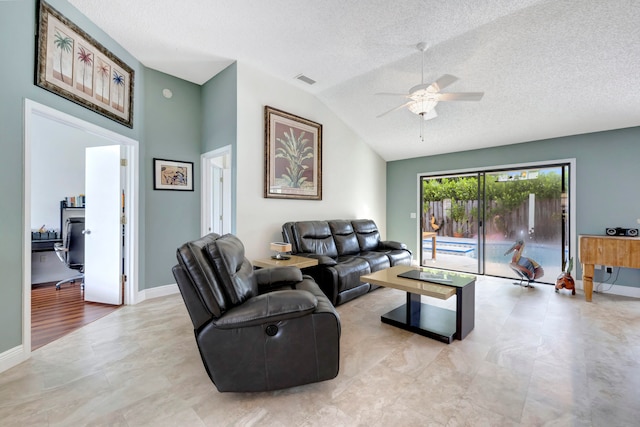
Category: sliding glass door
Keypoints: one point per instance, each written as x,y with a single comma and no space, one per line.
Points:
525,209
452,214
484,221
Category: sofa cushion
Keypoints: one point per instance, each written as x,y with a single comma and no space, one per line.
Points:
234,271
289,235
315,237
399,257
349,271
377,260
193,258
367,233
344,237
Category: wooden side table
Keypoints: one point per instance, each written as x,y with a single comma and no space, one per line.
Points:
293,261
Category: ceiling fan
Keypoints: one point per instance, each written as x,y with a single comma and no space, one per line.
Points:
423,98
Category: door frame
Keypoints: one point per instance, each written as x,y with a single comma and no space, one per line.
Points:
216,159
131,185
573,242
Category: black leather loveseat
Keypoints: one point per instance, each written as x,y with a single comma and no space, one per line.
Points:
345,250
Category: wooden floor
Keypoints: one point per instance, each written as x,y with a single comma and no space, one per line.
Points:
57,313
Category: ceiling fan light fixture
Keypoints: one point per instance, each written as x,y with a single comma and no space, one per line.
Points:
423,106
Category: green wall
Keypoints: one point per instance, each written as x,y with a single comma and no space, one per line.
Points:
220,110
163,129
172,132
220,121
607,173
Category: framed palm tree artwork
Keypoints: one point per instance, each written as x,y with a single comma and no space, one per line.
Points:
70,63
293,156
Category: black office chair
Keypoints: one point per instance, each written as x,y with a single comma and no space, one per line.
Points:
71,250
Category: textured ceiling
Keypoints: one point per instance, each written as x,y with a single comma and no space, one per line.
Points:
548,68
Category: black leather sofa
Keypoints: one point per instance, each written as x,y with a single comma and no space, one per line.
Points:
345,250
256,330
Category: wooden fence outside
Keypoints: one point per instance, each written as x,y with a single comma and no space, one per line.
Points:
547,226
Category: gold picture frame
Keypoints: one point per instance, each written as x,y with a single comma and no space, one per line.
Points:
73,65
293,156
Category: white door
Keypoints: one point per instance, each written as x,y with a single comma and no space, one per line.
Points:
221,200
216,191
103,235
216,200
225,201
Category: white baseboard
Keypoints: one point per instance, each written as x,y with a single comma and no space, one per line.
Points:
12,357
157,292
625,291
607,288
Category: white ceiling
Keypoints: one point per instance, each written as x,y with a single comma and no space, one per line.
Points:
548,68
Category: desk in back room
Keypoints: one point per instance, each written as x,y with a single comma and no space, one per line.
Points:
614,251
44,245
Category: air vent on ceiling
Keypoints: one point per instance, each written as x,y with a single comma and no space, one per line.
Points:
305,79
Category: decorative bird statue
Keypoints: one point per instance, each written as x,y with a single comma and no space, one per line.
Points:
526,268
564,280
434,225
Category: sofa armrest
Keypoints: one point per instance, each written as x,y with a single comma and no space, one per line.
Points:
270,307
274,277
390,244
323,260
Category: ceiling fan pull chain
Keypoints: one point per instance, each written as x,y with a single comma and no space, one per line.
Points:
423,53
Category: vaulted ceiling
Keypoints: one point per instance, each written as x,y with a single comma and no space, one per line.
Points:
547,68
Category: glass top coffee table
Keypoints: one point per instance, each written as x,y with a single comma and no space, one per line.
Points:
424,319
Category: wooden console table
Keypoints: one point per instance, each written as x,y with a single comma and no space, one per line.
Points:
614,251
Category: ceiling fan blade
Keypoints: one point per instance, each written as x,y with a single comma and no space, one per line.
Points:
395,109
391,94
444,81
461,96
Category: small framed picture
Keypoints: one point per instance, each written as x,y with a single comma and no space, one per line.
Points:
172,175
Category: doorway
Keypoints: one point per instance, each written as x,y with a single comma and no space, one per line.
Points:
216,191
37,115
480,216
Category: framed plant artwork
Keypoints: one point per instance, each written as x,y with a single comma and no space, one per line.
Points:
70,63
293,156
172,175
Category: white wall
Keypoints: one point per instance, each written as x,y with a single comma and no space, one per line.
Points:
57,168
354,176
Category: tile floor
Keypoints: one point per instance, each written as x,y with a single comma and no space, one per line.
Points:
535,358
